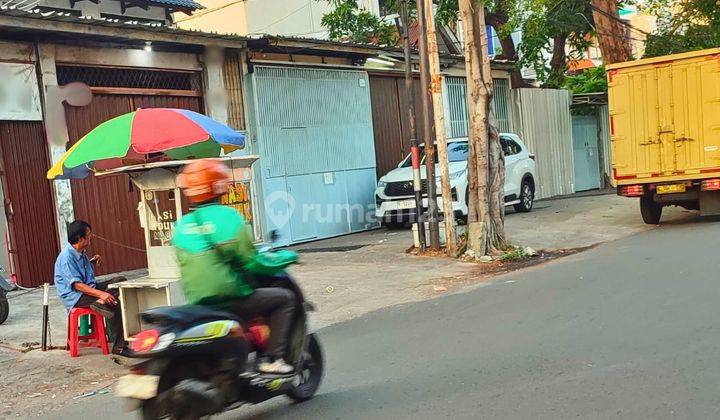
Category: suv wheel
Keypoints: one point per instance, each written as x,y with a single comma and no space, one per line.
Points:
527,197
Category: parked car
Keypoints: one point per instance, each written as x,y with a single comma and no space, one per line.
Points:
394,197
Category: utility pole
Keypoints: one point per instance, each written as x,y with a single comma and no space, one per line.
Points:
414,148
427,120
442,152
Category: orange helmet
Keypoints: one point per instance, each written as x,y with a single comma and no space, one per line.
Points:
204,180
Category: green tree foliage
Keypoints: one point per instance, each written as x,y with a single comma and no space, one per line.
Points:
349,22
547,27
550,26
683,25
590,80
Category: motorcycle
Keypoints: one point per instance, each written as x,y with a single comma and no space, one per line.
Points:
201,361
5,286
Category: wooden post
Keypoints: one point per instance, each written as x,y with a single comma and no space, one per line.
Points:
442,152
428,129
45,317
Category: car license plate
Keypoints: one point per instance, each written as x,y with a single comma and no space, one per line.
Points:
142,387
406,204
671,188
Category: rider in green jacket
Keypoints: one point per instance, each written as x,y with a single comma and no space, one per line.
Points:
220,266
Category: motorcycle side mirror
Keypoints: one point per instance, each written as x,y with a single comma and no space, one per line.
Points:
274,235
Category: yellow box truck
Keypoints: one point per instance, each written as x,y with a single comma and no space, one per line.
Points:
665,131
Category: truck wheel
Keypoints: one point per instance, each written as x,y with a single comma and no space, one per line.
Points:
650,210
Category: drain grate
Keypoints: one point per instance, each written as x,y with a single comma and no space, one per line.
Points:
331,249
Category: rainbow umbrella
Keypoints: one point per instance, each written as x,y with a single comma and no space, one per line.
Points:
143,135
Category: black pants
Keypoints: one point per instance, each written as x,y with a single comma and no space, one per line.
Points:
114,320
274,302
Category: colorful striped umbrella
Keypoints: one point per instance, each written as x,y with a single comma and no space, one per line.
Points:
143,134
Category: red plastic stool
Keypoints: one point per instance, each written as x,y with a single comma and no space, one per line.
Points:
96,338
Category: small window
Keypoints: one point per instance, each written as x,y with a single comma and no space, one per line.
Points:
509,146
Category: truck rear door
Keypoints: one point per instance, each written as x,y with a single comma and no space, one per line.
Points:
695,112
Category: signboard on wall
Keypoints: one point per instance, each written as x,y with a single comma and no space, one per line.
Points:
19,94
238,197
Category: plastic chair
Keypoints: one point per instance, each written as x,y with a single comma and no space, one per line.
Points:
96,338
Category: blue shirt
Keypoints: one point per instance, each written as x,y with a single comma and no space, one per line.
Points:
72,267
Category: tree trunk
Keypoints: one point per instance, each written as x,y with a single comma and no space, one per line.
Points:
496,166
485,165
497,191
611,32
508,44
558,61
509,52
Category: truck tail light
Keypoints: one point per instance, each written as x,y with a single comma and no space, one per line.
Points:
632,191
710,184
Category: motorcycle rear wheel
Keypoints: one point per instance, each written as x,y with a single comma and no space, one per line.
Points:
4,307
311,373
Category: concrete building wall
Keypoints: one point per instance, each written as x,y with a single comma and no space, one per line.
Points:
220,16
301,18
287,17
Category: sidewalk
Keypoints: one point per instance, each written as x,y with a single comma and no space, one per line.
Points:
345,277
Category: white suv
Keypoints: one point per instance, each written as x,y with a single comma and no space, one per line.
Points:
394,197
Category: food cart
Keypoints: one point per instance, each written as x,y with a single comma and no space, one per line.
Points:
151,146
160,206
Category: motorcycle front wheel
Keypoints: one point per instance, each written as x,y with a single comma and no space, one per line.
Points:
4,307
311,373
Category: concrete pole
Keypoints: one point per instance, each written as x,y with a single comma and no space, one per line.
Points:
57,134
216,101
436,83
427,120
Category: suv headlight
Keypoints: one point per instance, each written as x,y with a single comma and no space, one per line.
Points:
382,184
454,176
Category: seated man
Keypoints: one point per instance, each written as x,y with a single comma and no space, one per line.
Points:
215,250
76,286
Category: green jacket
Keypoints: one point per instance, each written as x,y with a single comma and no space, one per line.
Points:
214,247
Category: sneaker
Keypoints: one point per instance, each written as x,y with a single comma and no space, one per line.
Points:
277,367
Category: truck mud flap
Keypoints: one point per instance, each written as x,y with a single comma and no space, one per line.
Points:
710,203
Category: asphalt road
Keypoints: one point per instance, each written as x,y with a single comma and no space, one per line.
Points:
629,330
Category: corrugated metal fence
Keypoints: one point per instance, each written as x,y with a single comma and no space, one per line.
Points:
605,148
457,114
541,117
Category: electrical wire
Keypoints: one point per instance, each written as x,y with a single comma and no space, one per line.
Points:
259,31
617,19
95,235
208,11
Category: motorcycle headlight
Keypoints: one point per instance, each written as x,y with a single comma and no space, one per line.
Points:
164,341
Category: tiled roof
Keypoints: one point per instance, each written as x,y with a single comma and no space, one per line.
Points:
178,4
